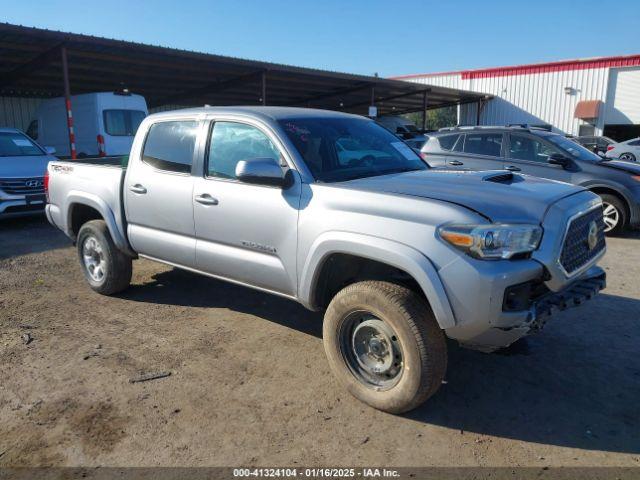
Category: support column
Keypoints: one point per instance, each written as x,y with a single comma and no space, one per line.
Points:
67,97
264,88
373,101
424,111
478,112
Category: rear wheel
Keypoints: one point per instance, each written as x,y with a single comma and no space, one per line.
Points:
615,214
629,157
384,345
106,268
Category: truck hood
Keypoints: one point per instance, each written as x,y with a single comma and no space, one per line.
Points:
22,167
497,195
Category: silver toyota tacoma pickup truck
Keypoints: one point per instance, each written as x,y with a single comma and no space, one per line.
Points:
335,212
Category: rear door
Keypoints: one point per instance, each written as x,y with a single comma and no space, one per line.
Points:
158,193
529,154
246,232
478,151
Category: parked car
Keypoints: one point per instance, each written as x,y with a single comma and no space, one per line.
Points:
104,123
544,154
597,144
628,151
404,129
22,167
398,255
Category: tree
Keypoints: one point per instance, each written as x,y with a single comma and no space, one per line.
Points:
436,118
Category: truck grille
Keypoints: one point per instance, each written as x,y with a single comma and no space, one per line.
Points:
22,186
576,251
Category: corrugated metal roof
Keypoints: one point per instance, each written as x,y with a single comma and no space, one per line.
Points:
31,67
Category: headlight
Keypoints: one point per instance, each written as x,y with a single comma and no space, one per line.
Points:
494,240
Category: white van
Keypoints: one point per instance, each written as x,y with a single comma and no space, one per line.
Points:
104,123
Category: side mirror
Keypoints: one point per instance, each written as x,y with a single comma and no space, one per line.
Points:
50,150
558,159
260,171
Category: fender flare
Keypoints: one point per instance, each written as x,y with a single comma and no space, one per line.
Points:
392,253
614,187
93,201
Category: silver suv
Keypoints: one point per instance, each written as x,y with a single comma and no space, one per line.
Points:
333,211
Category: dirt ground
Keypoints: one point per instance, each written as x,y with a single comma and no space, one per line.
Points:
249,383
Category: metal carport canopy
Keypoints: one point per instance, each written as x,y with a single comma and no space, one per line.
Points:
32,60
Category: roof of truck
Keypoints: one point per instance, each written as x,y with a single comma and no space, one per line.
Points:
275,113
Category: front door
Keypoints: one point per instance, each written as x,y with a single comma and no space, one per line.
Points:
245,232
158,194
477,151
529,154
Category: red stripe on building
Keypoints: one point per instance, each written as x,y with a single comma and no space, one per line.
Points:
601,62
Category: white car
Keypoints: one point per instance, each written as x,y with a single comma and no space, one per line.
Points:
629,150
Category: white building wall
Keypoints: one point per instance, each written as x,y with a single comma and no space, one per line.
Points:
537,98
623,98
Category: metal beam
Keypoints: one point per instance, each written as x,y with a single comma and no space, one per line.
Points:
32,65
384,99
334,93
213,87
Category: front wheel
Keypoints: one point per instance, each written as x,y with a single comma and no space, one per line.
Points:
614,213
384,345
105,267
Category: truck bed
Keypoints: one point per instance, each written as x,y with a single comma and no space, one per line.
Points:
90,182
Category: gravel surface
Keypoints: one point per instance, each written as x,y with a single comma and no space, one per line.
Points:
242,377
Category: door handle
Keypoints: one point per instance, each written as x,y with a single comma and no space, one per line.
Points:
206,199
513,168
455,162
137,188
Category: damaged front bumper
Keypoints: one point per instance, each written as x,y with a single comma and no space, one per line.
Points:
526,309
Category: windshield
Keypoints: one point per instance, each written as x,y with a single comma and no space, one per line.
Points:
15,144
122,123
339,149
575,149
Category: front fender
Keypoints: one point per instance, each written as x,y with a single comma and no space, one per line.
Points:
382,250
105,211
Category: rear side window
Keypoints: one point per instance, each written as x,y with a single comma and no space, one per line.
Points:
169,146
483,144
447,141
232,142
635,143
122,123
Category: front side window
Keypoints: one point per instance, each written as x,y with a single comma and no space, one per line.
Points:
572,148
232,142
122,123
483,144
339,149
15,144
169,146
528,148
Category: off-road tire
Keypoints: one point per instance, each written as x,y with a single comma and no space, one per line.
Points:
117,265
623,214
422,341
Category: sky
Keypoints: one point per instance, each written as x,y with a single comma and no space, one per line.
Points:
358,36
